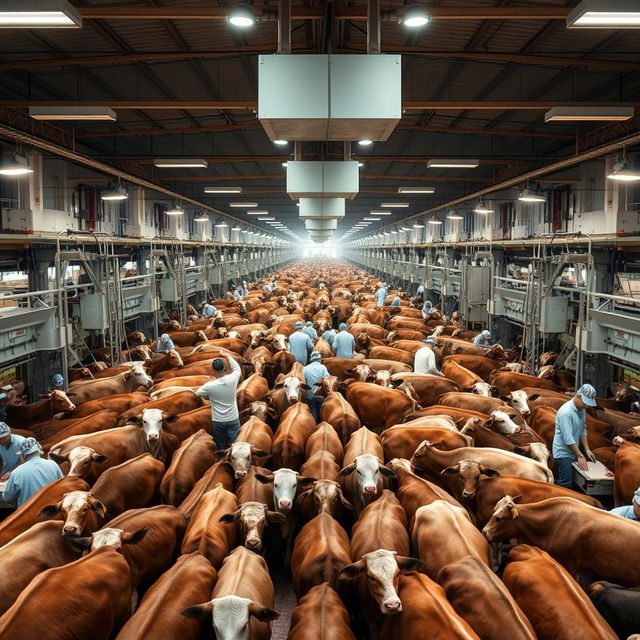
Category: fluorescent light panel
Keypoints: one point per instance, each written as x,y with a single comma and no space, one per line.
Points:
394,205
36,14
408,190
223,189
593,14
380,213
257,212
72,113
588,114
452,163
177,163
243,205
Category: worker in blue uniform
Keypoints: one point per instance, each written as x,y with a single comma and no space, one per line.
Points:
10,444
29,477
310,331
329,335
427,307
396,301
300,344
165,343
483,339
631,511
313,373
344,345
207,310
381,294
571,436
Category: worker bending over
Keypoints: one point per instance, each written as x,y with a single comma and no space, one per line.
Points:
165,343
10,444
29,477
207,310
571,435
381,294
313,373
425,359
483,339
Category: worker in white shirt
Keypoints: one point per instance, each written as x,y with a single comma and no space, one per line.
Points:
425,359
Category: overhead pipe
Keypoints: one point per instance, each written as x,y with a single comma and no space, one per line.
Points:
373,27
284,27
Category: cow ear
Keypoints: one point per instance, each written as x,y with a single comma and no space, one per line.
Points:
303,496
410,564
172,417
351,570
198,611
265,479
218,455
264,614
348,469
278,385
450,471
97,506
135,420
306,387
99,457
273,517
516,499
49,511
134,537
388,473
229,517
535,396
80,544
345,503
128,375
490,473
58,458
259,453
305,481
505,399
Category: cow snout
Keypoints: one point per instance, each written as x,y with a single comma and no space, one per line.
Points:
240,474
153,437
486,533
284,505
468,494
392,606
369,490
526,412
73,407
70,530
254,543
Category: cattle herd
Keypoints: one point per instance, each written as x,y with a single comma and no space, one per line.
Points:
419,507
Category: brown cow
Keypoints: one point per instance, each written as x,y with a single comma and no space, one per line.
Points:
457,536
219,473
39,548
504,382
103,577
465,379
480,365
581,537
492,488
241,600
100,421
389,353
191,579
325,437
401,441
125,382
253,389
340,415
28,513
320,551
184,425
25,415
627,477
320,615
551,599
119,402
296,425
379,407
480,597
364,456
188,464
205,533
428,387
177,403
426,613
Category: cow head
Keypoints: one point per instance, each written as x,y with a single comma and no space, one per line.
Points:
520,401
502,422
496,352
285,486
80,460
293,389
383,378
174,359
361,372
240,456
624,392
382,571
327,385
142,352
109,537
61,402
138,376
502,523
469,472
138,337
77,509
535,450
327,496
279,342
151,424
253,518
230,616
368,471
547,358
546,372
481,388
397,464
260,409
632,434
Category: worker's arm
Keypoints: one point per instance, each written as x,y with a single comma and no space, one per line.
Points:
202,391
11,491
570,443
236,372
585,447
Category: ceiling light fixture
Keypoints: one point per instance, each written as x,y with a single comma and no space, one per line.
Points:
454,215
72,113
257,212
180,163
373,219
266,219
241,16
380,213
394,205
243,205
482,207
202,217
221,223
176,210
285,164
623,173
15,165
418,226
618,14
452,163
281,143
365,143
527,195
223,189
409,190
435,221
415,16
35,14
588,114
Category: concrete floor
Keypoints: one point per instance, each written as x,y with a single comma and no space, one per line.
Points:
285,603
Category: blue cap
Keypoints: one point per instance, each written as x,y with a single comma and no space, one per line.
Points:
298,325
315,355
309,323
4,429
217,365
29,446
165,337
342,326
588,395
486,334
58,380
431,341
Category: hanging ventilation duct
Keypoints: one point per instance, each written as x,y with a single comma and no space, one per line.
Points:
329,97
323,179
320,225
321,208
